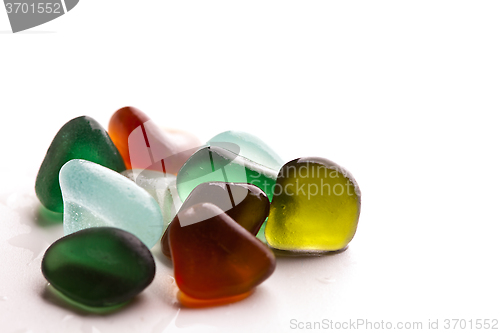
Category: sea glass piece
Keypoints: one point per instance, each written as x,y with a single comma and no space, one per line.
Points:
95,196
316,207
161,186
246,204
80,138
214,163
213,256
99,267
250,147
190,302
144,145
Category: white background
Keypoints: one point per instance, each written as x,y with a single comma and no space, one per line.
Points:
403,94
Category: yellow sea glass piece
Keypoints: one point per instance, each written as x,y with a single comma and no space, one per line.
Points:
315,207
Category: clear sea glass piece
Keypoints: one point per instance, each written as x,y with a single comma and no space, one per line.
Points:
161,186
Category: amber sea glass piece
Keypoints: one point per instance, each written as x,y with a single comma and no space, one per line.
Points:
246,204
144,145
191,302
213,256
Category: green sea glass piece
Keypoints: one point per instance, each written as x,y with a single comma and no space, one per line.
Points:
250,147
95,196
316,207
214,163
161,186
99,267
80,138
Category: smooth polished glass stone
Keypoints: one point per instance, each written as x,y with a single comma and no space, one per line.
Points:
214,163
95,196
99,267
144,145
213,256
316,207
161,186
195,303
246,204
55,296
81,138
250,147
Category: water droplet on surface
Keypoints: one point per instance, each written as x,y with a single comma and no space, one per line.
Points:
4,298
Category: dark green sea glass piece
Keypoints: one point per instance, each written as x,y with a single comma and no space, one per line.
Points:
215,163
99,267
80,138
247,204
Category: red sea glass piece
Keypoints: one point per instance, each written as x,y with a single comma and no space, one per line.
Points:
144,145
215,257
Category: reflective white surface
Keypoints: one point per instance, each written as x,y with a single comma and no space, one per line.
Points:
405,96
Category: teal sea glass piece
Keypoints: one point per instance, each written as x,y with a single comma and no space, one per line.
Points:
95,196
161,186
99,267
250,147
214,163
80,138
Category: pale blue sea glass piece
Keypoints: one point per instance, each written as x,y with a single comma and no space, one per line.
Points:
95,196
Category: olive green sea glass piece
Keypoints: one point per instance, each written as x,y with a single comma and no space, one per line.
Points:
214,163
80,138
316,207
250,147
99,267
246,204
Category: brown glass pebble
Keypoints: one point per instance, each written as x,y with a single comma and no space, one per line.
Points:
247,204
215,257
